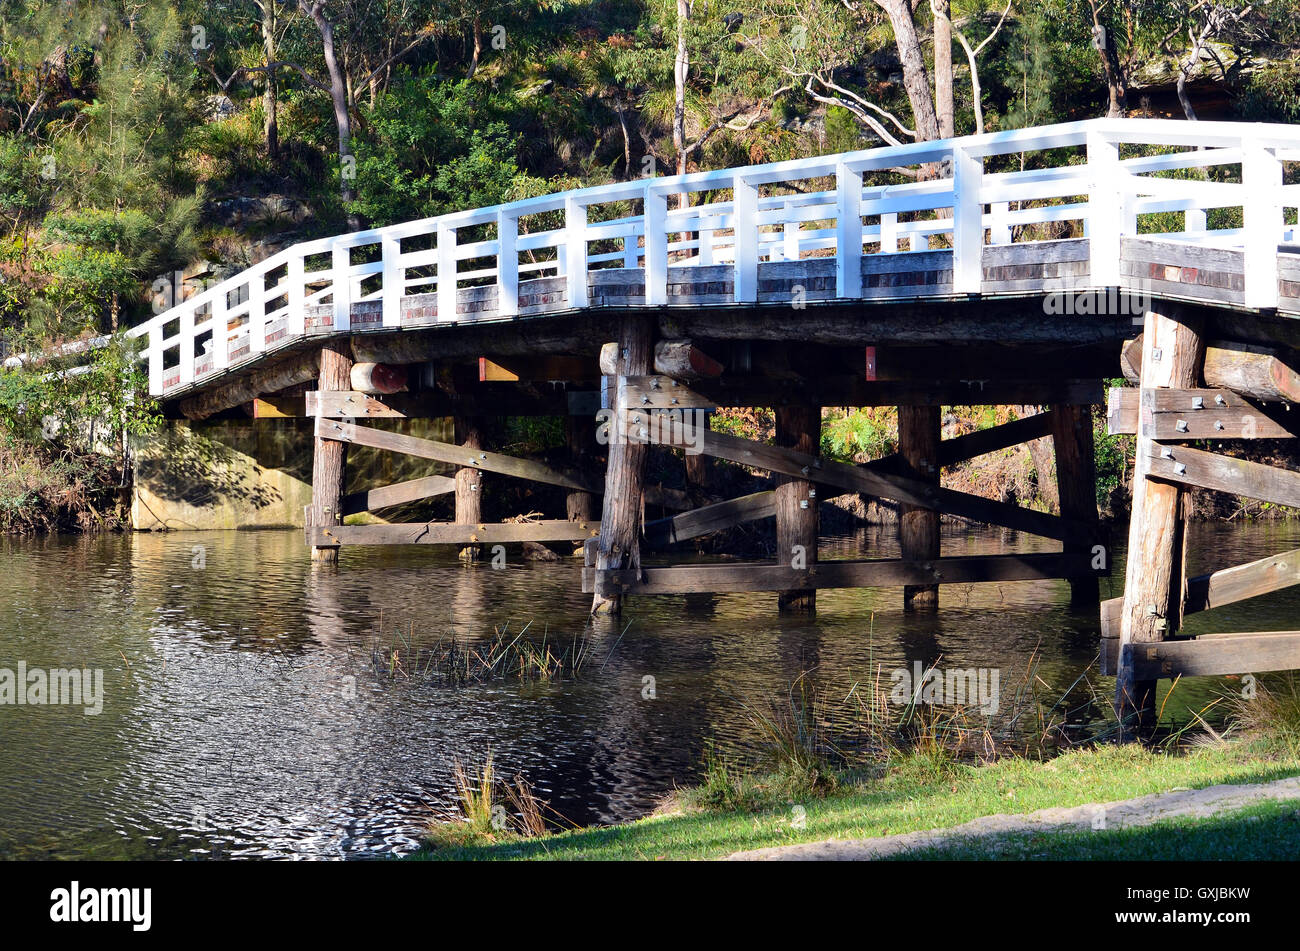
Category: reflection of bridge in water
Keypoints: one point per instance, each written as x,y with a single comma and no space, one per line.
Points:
1007,268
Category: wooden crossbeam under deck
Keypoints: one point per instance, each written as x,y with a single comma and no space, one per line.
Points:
687,579
1209,655
1174,414
398,493
849,478
1207,470
449,533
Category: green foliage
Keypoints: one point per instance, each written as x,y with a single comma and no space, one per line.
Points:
431,147
862,433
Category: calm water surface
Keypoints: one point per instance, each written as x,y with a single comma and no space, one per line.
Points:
243,715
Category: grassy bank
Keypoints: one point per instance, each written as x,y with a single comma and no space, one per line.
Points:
917,791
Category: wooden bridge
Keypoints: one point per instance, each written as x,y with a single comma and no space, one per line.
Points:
1019,267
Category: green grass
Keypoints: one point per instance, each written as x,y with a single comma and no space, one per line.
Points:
1268,831
908,795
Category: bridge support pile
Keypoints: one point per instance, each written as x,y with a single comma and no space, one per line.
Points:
1141,640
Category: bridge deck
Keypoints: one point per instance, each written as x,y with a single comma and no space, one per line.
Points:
799,235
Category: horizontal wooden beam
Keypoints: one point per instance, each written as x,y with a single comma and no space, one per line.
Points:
397,494
672,431
277,406
1207,470
461,456
659,392
448,533
1225,586
290,371
679,359
1258,372
541,368
485,399
709,518
1172,415
1210,655
687,579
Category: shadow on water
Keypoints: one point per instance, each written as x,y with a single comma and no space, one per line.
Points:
243,714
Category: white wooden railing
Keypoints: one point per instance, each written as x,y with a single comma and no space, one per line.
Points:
808,208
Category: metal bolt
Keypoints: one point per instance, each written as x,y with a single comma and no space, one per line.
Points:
1180,468
1181,425
1198,402
1218,398
1166,452
1218,425
812,493
803,503
804,470
1151,610
644,400
1155,354
674,401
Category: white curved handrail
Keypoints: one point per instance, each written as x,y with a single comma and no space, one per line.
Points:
971,208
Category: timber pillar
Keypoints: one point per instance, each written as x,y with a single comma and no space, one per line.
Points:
1154,581
918,528
797,428
330,456
620,522
1076,485
468,432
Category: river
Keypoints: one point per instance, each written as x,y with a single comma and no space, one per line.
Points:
243,713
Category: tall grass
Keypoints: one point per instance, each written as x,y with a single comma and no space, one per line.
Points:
452,662
492,809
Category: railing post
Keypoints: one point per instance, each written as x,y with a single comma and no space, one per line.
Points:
1261,178
220,331
999,227
256,313
1194,220
967,222
790,235
295,296
745,221
656,246
889,232
341,278
631,252
705,250
575,240
848,232
155,355
507,264
186,346
390,247
1108,199
446,272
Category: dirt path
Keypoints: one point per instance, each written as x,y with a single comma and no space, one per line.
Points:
1127,813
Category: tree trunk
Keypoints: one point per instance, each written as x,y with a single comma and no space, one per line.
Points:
944,105
916,79
1041,452
339,97
681,70
270,97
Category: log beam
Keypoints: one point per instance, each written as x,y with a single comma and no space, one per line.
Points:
468,433
918,526
329,457
1172,355
299,368
624,471
1257,372
797,428
1076,484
